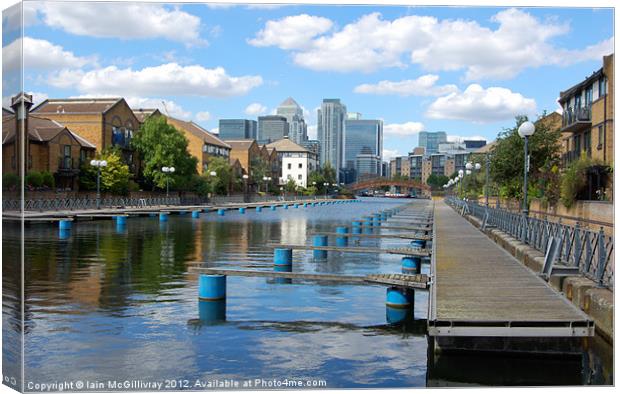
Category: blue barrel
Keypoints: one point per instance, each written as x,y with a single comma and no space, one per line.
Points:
356,227
397,315
195,214
285,206
182,213
344,240
314,204
282,256
399,298
283,268
63,233
121,228
305,205
163,217
411,264
221,212
296,206
273,207
64,224
319,240
242,210
210,312
259,209
120,220
211,287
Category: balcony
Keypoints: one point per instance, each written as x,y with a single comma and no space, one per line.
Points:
66,166
576,119
574,155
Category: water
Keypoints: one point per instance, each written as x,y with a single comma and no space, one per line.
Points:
120,304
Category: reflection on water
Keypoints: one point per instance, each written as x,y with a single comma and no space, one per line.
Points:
105,302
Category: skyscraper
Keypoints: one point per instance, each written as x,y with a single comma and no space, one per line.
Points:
238,129
271,128
430,141
359,134
330,132
297,128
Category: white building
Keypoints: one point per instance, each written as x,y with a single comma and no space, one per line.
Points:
296,162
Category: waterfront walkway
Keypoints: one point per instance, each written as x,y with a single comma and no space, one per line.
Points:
479,289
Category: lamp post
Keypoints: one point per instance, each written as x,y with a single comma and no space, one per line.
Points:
486,180
525,131
99,164
326,185
314,186
167,170
245,187
460,176
212,174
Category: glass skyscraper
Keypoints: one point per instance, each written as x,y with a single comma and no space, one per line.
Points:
330,132
272,128
430,141
360,134
237,129
297,128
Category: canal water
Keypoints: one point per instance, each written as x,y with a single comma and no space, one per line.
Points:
108,303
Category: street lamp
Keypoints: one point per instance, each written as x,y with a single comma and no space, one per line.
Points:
525,131
314,186
245,187
460,180
265,179
99,164
167,170
326,185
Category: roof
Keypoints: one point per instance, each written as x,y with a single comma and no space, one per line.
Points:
40,129
286,145
565,95
289,102
143,113
6,112
197,131
240,144
77,105
487,148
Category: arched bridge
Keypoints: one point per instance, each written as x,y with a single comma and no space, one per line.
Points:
380,182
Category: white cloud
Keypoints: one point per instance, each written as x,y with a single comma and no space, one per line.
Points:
12,17
519,41
123,20
165,79
203,116
255,109
389,154
166,107
421,86
403,129
40,54
480,105
291,32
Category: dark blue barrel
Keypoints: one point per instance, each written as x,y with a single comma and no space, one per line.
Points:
344,240
195,214
221,212
259,209
397,315
242,210
64,224
356,227
120,220
319,240
63,233
273,207
296,206
283,268
210,312
163,217
285,206
282,256
211,287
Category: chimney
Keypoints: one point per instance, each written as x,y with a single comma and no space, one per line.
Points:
21,104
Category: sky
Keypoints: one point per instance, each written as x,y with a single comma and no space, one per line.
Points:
467,71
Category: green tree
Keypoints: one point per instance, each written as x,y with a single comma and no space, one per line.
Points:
436,182
162,145
507,161
114,177
222,181
291,186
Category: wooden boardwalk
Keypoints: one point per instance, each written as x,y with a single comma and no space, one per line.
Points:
419,281
479,289
355,249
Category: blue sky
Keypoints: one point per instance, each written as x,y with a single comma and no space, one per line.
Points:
464,70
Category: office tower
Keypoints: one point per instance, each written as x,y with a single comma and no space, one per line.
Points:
271,128
297,128
472,145
367,164
312,146
430,141
360,134
238,129
330,131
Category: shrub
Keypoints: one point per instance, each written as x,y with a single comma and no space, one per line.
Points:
574,180
9,181
48,179
34,179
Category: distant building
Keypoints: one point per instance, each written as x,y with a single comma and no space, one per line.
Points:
400,166
448,147
367,164
385,169
472,145
415,165
238,129
330,131
362,137
354,116
272,128
296,162
294,114
430,140
312,146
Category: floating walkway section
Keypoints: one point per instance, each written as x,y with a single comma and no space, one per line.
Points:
479,290
394,236
348,249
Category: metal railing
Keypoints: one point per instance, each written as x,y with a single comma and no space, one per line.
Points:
576,114
591,252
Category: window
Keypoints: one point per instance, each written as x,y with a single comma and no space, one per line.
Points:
587,141
577,143
290,166
67,150
299,177
588,97
602,86
601,137
300,166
